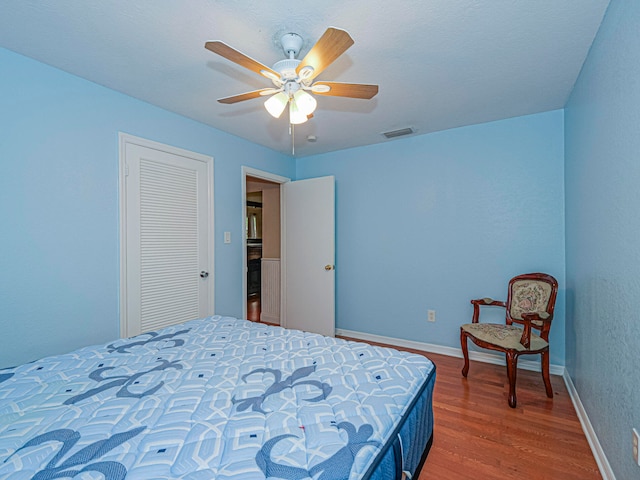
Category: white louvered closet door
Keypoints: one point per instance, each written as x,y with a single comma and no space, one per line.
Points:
169,274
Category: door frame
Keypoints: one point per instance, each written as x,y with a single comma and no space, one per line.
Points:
271,177
123,140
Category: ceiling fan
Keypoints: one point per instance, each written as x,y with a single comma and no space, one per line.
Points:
293,79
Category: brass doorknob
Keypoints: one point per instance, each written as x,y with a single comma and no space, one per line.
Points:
328,267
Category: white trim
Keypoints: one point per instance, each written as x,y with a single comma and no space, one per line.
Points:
122,198
272,177
587,428
123,140
449,351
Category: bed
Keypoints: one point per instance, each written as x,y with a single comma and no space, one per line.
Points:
218,398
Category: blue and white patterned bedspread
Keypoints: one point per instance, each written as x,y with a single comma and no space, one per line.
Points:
213,398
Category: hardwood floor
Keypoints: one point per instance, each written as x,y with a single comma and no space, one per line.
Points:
253,308
478,436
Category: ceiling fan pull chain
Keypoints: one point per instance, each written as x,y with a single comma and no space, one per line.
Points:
292,132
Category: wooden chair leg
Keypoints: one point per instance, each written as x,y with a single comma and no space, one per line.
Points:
545,374
512,370
465,352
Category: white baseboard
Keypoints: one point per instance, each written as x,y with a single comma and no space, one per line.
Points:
592,438
270,319
449,351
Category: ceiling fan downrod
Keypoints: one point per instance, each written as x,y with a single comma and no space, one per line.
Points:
291,44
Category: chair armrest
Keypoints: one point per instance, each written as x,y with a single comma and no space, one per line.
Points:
486,302
537,316
489,301
527,318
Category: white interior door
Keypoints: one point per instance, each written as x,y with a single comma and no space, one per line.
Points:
167,236
309,255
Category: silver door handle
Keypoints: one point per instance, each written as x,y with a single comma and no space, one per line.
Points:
204,274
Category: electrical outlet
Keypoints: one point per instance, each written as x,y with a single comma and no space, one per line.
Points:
431,315
636,441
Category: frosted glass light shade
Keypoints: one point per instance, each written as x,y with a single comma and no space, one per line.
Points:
306,103
275,104
296,116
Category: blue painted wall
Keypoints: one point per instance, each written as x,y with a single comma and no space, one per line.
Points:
602,126
426,222
432,221
59,240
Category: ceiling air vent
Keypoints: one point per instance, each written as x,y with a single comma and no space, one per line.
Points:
399,133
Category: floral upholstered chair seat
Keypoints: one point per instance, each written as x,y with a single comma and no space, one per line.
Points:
505,336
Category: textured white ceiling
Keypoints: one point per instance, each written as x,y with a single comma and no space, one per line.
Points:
439,63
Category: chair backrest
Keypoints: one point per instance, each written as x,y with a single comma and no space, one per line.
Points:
532,293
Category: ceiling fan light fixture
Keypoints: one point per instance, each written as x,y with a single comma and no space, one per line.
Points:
276,104
305,102
296,116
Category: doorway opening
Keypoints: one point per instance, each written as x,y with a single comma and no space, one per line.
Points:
303,297
263,249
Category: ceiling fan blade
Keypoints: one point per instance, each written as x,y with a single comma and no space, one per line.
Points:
241,59
248,96
333,43
339,89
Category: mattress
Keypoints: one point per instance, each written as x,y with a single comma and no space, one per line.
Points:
218,398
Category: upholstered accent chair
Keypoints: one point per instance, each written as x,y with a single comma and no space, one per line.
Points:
531,299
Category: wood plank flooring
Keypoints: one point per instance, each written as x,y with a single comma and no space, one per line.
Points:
477,436
253,308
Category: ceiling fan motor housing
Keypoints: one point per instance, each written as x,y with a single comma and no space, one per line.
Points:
287,68
291,44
